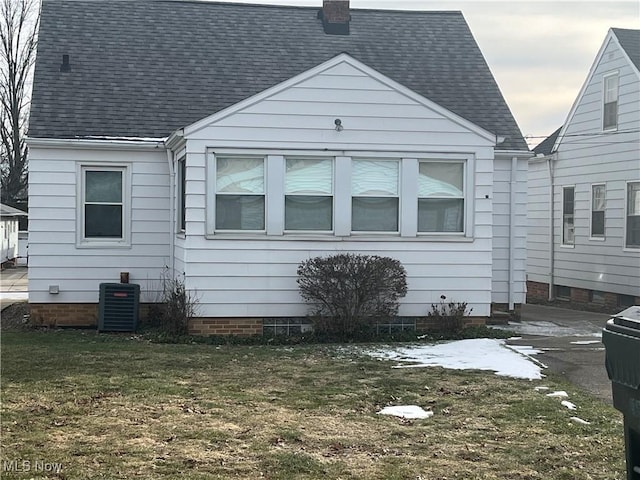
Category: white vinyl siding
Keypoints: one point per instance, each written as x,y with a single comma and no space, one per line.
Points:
253,274
587,155
55,255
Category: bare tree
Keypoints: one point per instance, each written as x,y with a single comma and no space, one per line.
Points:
19,21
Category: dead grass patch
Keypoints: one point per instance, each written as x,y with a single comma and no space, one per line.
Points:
116,407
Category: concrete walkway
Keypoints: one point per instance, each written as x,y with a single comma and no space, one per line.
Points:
14,285
571,342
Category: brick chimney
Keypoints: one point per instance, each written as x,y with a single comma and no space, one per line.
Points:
335,17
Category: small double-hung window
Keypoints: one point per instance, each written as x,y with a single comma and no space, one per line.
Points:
103,200
240,193
633,215
441,197
375,195
610,107
308,203
598,205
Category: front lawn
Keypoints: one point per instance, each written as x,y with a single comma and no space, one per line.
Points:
116,406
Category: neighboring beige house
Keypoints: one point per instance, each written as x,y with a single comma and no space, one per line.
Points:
584,188
226,143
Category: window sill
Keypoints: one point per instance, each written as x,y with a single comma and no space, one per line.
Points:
597,239
103,245
332,238
631,249
567,246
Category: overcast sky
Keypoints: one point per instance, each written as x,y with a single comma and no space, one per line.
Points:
540,52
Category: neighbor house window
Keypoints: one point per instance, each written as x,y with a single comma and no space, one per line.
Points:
240,193
610,107
182,194
633,215
103,198
598,203
440,197
374,195
568,229
308,203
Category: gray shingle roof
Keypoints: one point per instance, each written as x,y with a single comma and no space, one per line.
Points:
630,41
147,67
546,146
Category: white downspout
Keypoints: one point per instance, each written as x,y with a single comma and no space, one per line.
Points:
512,235
172,212
551,229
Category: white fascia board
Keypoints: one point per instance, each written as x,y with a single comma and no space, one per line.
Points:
175,140
513,153
610,37
93,144
341,58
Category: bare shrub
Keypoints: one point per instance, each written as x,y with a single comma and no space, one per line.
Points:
449,316
176,306
348,293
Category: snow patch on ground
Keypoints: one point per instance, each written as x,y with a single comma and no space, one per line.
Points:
406,411
558,394
473,354
585,342
568,404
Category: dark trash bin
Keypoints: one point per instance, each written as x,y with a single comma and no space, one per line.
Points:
621,338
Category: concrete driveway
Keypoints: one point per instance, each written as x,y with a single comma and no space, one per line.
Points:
571,342
14,285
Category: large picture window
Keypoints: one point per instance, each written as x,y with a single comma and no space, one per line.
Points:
568,228
240,193
598,204
633,215
308,194
375,195
610,106
103,203
441,197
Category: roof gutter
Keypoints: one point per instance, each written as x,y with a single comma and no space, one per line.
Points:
97,143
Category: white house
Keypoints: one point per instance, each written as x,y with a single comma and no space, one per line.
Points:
226,143
584,188
9,219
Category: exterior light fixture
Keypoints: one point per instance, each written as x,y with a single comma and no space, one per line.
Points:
338,123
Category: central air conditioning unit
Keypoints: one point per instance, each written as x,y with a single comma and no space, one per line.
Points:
118,308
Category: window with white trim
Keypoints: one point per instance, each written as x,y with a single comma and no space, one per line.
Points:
598,204
240,193
633,215
440,197
568,228
103,194
610,102
182,194
375,196
308,202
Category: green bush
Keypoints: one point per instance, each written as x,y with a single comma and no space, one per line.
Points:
348,293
